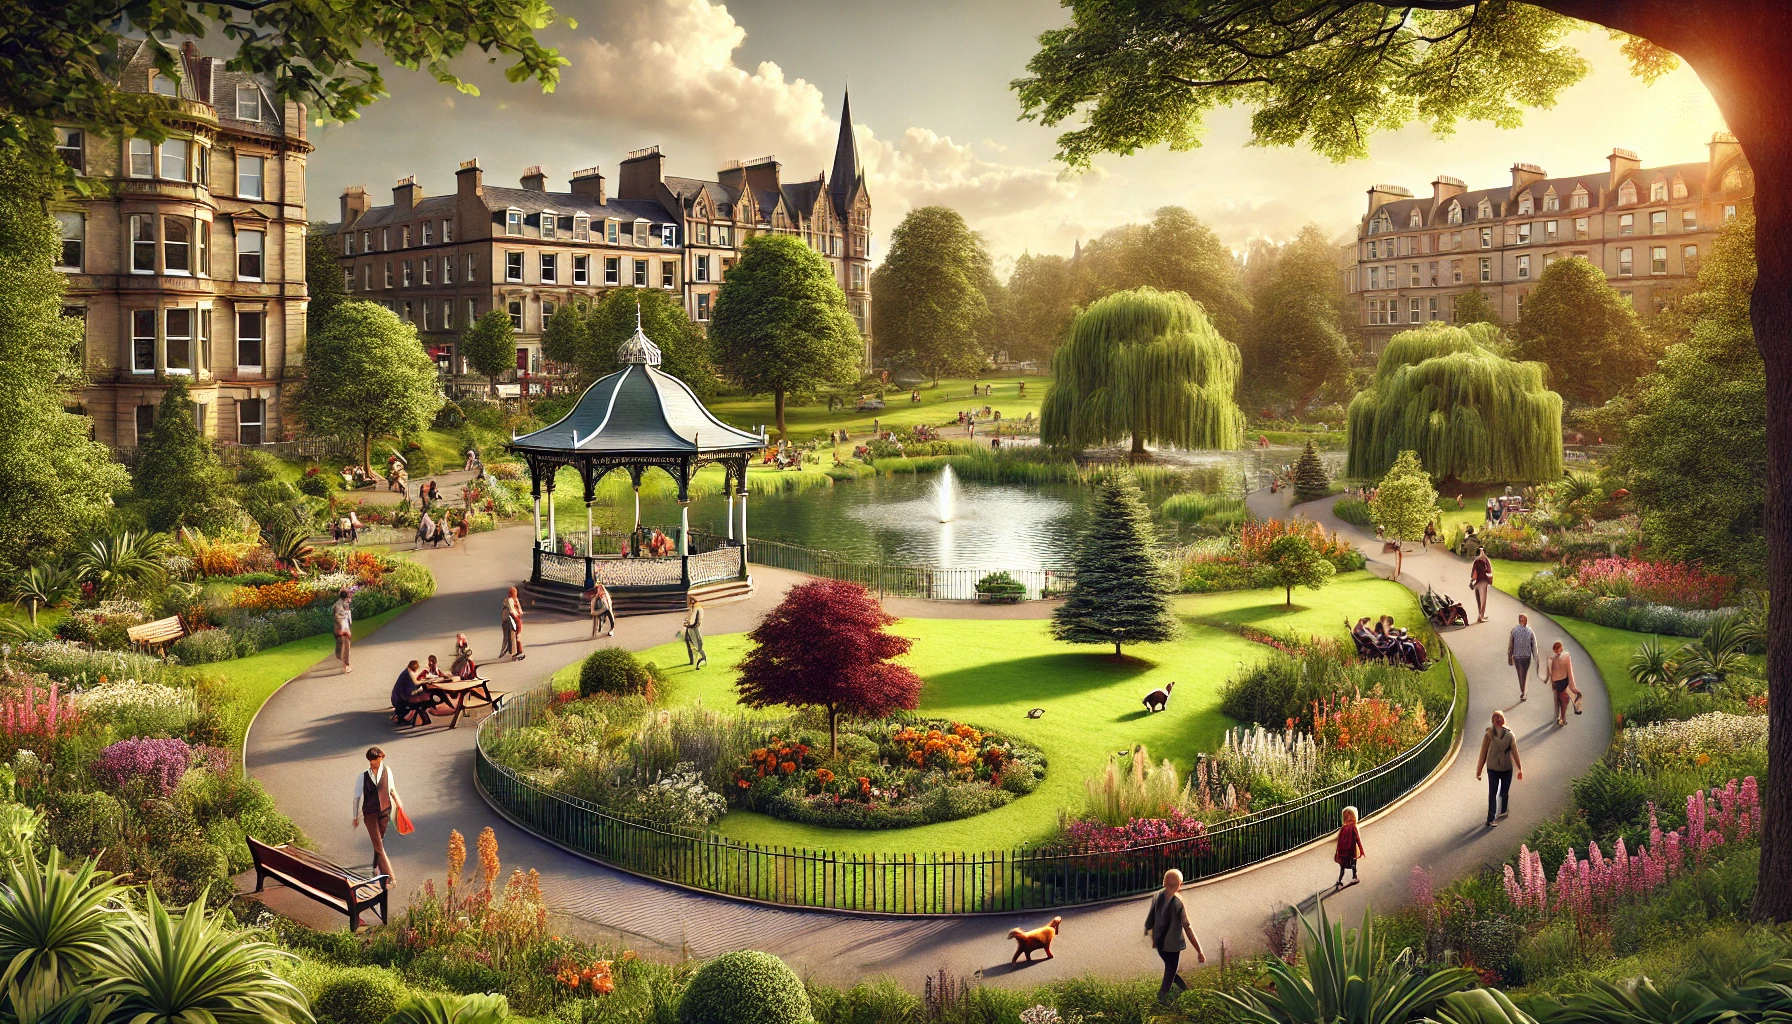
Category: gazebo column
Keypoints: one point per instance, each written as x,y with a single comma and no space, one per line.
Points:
684,527
728,485
743,520
637,508
588,551
553,537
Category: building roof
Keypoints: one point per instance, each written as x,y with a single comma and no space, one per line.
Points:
848,179
800,196
498,199
687,188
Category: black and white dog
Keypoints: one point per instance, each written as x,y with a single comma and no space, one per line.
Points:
1157,700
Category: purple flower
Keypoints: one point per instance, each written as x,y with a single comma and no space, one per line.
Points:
157,764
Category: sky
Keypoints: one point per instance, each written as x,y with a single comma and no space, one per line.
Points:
937,122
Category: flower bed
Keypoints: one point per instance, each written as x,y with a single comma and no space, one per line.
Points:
1644,597
1236,562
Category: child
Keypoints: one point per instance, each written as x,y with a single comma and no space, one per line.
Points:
1350,847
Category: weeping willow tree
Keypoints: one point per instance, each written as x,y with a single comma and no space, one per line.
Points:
1470,413
1145,364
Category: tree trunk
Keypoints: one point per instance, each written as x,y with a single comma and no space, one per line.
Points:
367,451
1288,596
34,613
1399,558
493,378
1116,648
833,731
778,409
1138,447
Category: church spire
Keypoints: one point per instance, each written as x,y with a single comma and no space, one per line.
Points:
848,179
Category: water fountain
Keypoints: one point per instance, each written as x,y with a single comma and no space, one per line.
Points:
945,495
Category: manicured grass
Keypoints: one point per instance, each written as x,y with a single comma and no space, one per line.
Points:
1509,575
1611,650
938,405
989,673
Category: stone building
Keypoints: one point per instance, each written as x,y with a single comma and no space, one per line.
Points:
1645,227
188,260
441,262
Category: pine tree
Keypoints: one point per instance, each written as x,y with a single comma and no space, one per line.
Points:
1310,480
1121,593
179,478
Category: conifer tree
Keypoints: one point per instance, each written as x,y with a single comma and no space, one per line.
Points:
1121,593
179,478
1310,480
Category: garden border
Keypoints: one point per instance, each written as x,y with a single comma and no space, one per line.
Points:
949,883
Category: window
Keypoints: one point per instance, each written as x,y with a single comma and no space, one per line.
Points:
612,270
174,160
472,311
385,239
668,274
1374,278
1412,275
1689,258
1374,311
1627,194
143,243
640,233
703,306
669,235
143,341
404,236
1524,234
703,268
1626,262
142,159
1524,203
1455,214
1455,239
388,273
71,147
1374,250
248,339
513,266
1551,202
73,227
205,339
1549,258
1433,315
513,222
447,314
640,273
610,231
1679,189
1628,297
1658,260
1413,315
1729,212
1486,270
248,255
1521,307
722,232
1549,230
366,241
550,268
472,269
428,270
249,419
447,270
199,415
1524,268
1578,200
1689,219
176,246
1627,224
1455,271
581,228
163,85
248,103
1431,273
516,314
348,243
702,233
1484,210
426,234
348,279
248,176
1658,192
547,310
547,225
366,277
858,276
1486,238
581,269
410,314
177,346
146,422
1580,227
447,231
1658,222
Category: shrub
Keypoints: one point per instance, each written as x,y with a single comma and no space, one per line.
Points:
319,485
286,594
615,671
408,581
1354,511
1002,588
745,987
256,467
204,647
192,867
417,461
362,995
132,708
81,824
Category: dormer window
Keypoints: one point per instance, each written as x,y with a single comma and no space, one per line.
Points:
547,224
1627,194
1577,200
1658,192
1455,215
163,85
1679,189
513,221
668,235
1524,204
610,232
640,237
1485,210
1412,221
248,103
1551,201
581,228
1384,222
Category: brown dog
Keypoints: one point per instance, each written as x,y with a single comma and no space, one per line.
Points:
1038,938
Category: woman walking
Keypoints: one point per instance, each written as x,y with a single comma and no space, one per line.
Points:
693,634
1430,536
1499,758
343,612
1167,924
1480,579
602,607
1561,681
1350,847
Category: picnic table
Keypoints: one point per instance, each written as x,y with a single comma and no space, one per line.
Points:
461,691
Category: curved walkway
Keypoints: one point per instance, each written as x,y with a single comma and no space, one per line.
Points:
307,746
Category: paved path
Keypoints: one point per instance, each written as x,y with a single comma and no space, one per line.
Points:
307,746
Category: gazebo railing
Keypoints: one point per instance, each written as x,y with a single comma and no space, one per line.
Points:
582,571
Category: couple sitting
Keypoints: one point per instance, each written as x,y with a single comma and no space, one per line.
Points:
418,689
1388,643
431,532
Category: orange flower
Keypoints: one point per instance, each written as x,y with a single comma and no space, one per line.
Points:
457,854
488,857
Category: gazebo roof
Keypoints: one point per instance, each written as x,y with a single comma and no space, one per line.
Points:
638,410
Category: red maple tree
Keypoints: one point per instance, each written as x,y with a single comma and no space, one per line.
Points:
825,645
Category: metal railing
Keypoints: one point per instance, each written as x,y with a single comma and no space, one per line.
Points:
889,579
948,882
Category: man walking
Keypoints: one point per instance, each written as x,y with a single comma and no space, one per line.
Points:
602,607
1499,756
1480,579
343,612
376,800
1521,646
1167,924
693,634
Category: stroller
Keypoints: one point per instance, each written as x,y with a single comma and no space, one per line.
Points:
1442,609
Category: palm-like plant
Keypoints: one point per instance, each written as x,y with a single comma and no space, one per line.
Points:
1702,659
43,586
192,968
121,560
56,925
1345,977
288,544
441,1009
1652,665
1759,994
1479,1006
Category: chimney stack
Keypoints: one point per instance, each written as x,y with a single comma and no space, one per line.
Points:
1445,187
764,174
1525,174
587,182
469,180
533,180
354,204
641,174
406,194
1623,162
733,175
1381,195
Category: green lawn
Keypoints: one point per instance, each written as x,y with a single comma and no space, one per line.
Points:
990,672
1509,575
938,405
1611,650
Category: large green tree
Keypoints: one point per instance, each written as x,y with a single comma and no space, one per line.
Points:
1145,365
1584,331
930,298
1175,252
1296,346
1475,308
1121,592
684,349
324,284
1332,73
780,322
365,376
489,346
57,480
178,477
1041,302
1404,502
1694,450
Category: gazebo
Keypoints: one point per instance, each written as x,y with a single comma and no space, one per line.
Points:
633,420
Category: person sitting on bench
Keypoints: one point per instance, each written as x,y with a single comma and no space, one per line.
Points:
412,698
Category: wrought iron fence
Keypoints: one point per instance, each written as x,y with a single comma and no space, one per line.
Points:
894,579
949,882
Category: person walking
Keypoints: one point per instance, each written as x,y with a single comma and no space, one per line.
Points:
513,626
1167,925
1350,847
376,800
1561,681
1521,646
693,634
1430,536
343,612
1480,579
602,607
1499,757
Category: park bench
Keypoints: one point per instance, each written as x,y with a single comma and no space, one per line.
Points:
157,634
311,875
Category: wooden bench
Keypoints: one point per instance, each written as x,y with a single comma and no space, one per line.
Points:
157,634
313,876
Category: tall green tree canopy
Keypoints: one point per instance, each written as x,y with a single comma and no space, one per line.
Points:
1121,589
1147,365
179,478
1404,502
1470,413
1040,304
58,481
1296,346
780,322
365,376
1173,253
323,271
489,346
1694,451
1584,331
1475,308
931,296
587,335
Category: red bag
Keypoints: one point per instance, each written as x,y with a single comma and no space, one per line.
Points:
402,820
